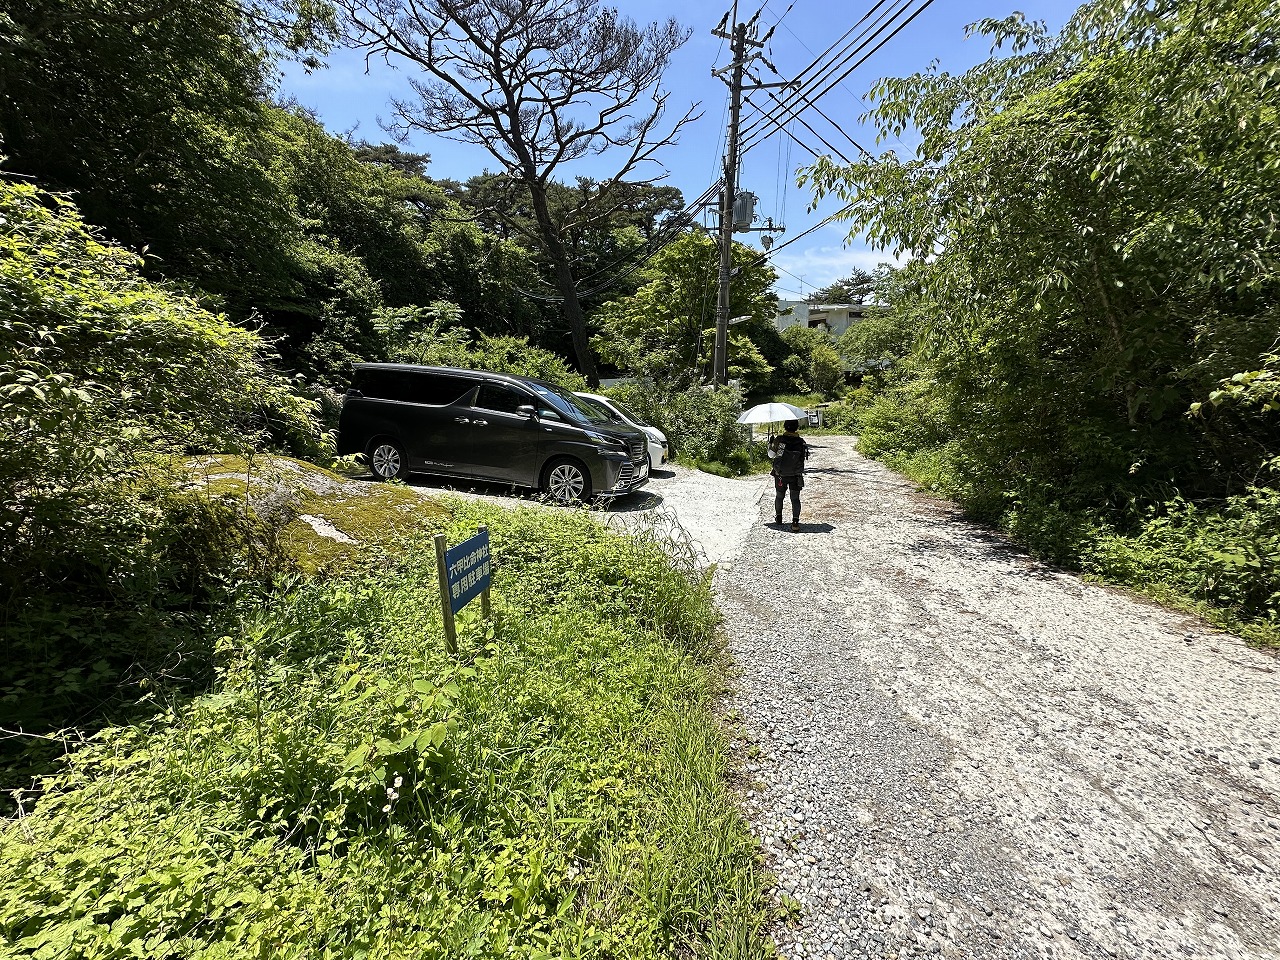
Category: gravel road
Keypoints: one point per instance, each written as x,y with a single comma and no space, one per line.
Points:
952,750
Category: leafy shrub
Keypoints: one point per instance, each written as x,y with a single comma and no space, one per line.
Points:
814,364
108,561
1225,554
347,787
101,371
1037,520
432,336
903,420
841,417
700,424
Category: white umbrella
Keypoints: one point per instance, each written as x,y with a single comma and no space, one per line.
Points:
772,413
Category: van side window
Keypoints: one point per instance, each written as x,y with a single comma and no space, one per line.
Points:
381,384
438,390
494,396
409,386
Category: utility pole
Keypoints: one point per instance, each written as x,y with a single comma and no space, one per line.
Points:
737,50
738,43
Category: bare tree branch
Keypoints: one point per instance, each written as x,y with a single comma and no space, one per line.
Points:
537,83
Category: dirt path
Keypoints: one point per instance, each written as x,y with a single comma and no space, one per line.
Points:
954,750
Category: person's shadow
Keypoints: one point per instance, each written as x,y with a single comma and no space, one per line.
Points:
804,527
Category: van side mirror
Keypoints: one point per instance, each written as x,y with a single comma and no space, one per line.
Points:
353,392
525,410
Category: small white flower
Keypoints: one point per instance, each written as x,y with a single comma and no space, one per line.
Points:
396,783
387,808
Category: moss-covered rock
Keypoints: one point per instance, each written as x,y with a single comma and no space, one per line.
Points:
325,521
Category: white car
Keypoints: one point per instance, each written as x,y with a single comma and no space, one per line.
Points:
657,440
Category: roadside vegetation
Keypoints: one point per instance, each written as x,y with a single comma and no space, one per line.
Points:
1082,343
345,787
222,736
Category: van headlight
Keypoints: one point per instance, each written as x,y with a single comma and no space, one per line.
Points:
608,446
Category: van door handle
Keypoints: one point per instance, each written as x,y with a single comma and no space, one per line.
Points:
461,420
479,423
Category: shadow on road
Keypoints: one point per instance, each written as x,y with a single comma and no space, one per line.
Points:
804,527
980,544
636,502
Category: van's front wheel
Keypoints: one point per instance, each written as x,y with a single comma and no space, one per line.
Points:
566,481
388,460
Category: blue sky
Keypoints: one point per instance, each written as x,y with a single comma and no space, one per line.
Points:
349,99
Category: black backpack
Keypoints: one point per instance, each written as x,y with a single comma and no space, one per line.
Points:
791,460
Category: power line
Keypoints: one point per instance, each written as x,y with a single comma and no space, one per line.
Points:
816,64
853,47
897,30
782,128
750,141
671,225
755,131
667,234
782,246
795,115
787,272
856,96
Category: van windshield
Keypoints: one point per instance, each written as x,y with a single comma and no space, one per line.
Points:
572,408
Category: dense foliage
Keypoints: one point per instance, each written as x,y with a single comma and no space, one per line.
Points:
665,330
537,84
107,557
265,213
1093,247
157,118
313,776
348,787
434,337
699,422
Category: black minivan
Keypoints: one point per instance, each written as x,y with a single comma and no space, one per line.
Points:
487,426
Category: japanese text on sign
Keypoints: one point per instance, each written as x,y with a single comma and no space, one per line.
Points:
468,570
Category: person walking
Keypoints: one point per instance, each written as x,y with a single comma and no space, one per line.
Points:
788,451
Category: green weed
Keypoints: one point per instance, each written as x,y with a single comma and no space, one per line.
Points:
348,789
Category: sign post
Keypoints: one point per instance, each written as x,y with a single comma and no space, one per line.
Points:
465,572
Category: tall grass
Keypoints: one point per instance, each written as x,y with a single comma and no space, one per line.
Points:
347,789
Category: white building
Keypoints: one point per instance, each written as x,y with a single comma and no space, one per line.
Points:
834,318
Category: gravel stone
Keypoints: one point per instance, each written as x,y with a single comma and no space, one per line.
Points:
999,754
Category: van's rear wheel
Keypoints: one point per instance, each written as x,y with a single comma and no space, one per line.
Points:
566,481
388,460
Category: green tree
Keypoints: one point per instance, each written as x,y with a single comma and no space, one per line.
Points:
434,336
153,113
1091,230
100,369
659,332
814,365
884,336
855,288
537,83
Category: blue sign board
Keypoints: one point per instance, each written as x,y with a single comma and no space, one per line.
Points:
467,569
